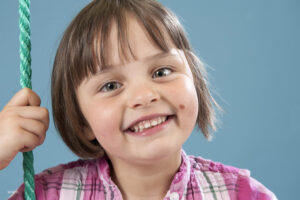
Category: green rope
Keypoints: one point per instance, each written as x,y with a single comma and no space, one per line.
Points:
25,81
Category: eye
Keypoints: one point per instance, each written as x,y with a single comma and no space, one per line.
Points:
110,86
162,72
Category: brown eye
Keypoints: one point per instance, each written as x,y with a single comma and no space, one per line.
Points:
110,86
162,72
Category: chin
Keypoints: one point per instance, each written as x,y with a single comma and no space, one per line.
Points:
151,156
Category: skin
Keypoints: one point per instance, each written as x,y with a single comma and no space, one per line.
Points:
23,125
143,167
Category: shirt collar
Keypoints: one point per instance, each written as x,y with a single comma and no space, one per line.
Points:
178,184
181,178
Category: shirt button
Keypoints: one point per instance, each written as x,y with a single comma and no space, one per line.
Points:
174,196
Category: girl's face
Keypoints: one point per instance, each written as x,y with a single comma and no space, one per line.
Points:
133,95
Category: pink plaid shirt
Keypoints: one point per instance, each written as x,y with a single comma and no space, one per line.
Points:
196,178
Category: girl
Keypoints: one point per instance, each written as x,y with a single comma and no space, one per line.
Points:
127,91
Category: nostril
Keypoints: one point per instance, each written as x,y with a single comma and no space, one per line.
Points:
137,105
153,100
145,102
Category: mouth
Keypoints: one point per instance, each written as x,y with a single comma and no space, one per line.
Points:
151,124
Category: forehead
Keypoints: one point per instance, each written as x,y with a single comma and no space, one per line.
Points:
137,44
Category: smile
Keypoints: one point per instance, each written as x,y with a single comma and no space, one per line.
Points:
148,127
147,124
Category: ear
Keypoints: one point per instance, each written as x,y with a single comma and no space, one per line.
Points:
89,134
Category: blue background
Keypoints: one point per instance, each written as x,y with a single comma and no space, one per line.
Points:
251,50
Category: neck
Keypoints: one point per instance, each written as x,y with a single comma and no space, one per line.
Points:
145,181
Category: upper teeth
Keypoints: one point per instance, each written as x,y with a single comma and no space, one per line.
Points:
147,124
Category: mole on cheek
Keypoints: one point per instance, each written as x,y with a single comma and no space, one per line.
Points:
181,106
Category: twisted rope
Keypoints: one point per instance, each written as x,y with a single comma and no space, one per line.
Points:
25,81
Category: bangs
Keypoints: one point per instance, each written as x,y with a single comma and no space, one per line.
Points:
90,31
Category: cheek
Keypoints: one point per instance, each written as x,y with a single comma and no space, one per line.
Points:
104,120
184,97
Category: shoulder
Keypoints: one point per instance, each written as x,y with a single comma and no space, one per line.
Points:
69,177
225,179
72,170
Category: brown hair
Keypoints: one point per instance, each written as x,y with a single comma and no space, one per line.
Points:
83,49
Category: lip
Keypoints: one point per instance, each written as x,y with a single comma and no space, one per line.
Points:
152,130
146,117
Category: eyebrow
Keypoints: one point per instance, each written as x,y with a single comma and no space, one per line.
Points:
160,55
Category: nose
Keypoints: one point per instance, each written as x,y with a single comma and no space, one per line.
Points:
142,96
